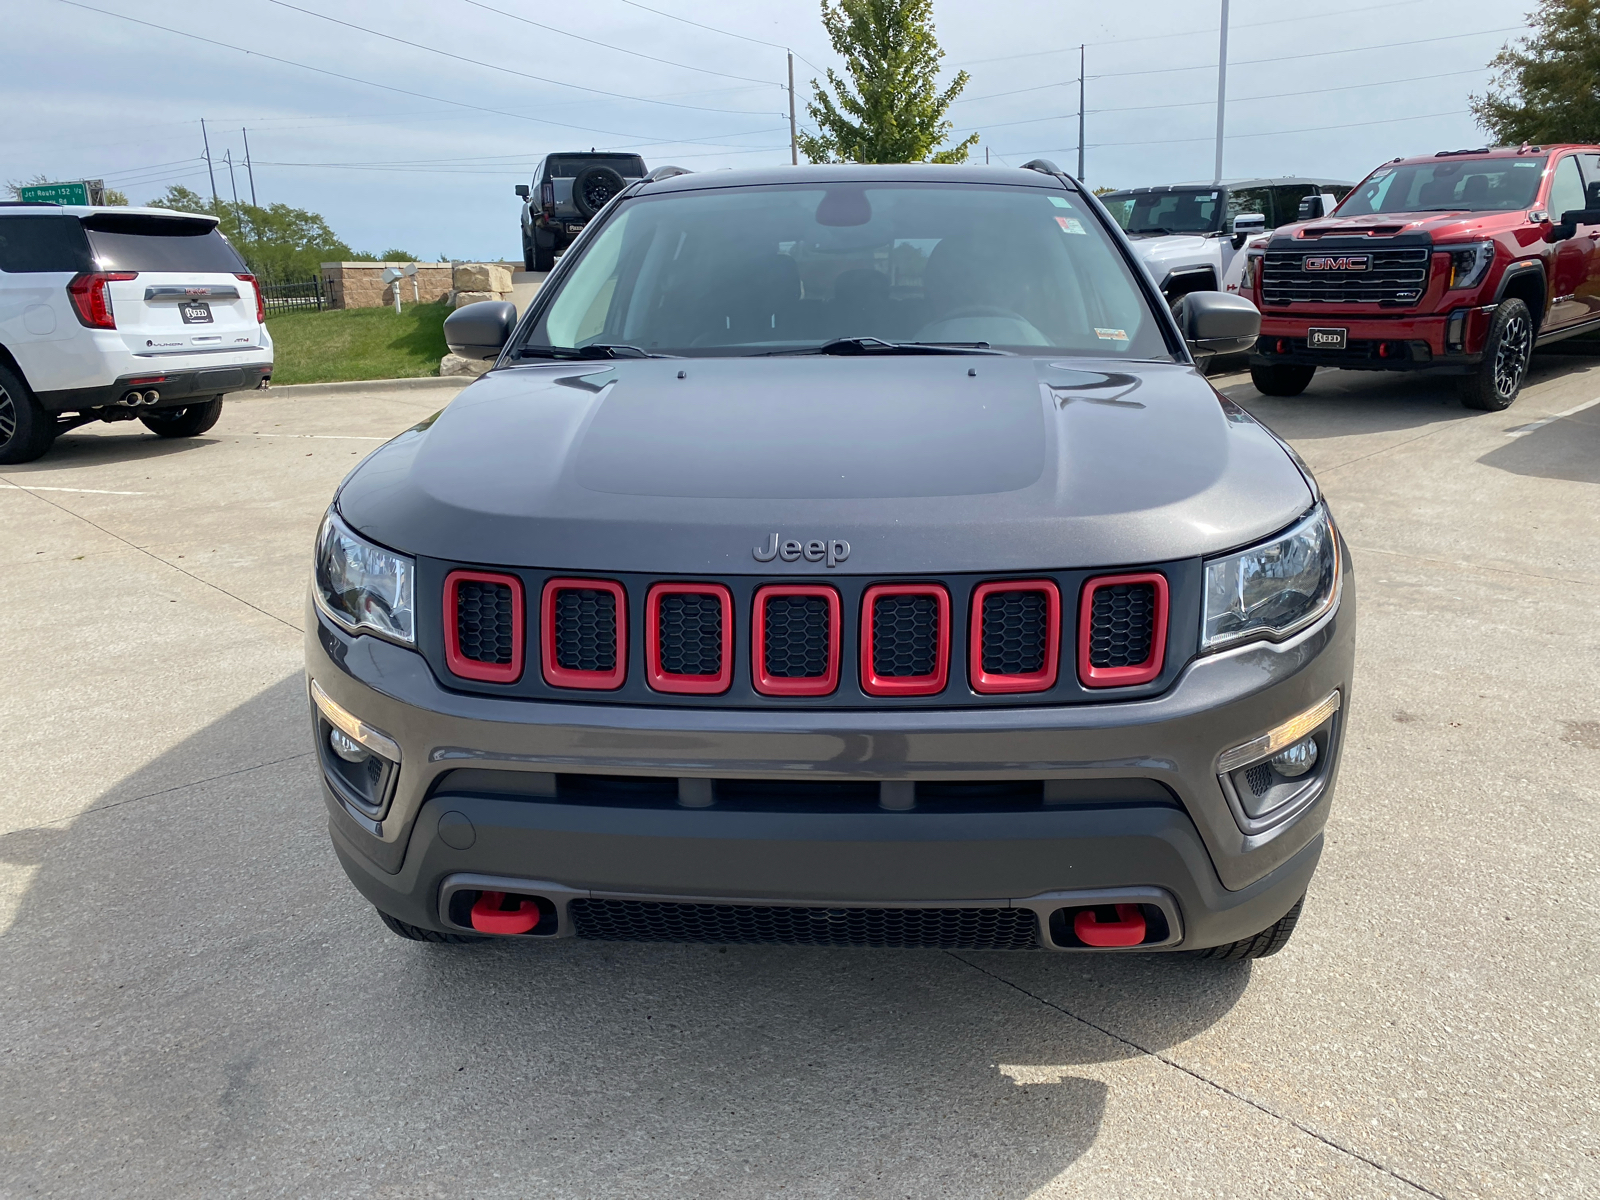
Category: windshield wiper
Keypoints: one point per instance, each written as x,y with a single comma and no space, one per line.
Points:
592,350
873,345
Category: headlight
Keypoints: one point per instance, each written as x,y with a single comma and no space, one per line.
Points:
362,586
1469,264
1274,589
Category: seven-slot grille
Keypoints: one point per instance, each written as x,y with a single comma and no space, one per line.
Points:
585,633
1123,630
484,626
1016,636
1393,277
905,639
796,640
689,637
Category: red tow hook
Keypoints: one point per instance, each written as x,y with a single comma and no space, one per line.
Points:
1126,930
489,915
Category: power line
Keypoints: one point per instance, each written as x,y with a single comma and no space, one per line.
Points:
1283,132
1278,58
353,79
523,74
1349,87
708,28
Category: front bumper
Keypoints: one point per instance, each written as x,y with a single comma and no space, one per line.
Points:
1449,342
1188,854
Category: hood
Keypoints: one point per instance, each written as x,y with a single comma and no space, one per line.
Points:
938,463
1176,249
1439,226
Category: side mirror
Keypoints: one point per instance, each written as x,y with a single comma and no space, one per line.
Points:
522,190
481,330
1247,223
1312,207
1217,323
1570,220
1592,195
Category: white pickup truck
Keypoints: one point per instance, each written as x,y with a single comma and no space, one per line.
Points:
1188,235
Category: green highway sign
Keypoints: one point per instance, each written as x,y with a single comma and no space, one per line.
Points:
56,193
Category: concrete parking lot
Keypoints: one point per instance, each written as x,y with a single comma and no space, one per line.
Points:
194,1002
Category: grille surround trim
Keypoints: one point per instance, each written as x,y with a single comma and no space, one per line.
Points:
994,683
779,685
930,684
470,668
1092,676
666,681
564,677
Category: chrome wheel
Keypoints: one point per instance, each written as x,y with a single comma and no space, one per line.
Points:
8,417
1512,355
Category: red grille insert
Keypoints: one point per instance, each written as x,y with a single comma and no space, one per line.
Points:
1003,638
900,654
795,640
482,640
678,634
1132,615
584,633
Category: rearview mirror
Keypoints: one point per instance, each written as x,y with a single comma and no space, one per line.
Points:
480,331
1217,323
522,190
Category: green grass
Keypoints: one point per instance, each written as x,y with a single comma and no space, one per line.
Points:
357,343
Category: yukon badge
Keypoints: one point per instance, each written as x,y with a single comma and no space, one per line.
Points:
833,553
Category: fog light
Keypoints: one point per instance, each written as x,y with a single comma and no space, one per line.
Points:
1296,760
1279,738
352,751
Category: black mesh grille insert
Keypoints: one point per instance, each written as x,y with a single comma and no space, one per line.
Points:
796,637
1015,632
1259,777
1122,625
905,636
930,928
484,628
586,630
689,628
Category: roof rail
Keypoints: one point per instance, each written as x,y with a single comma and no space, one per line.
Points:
1042,165
661,173
1453,153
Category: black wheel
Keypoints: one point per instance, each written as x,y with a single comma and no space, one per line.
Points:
1264,944
544,258
413,934
594,186
188,421
26,430
1495,382
1281,379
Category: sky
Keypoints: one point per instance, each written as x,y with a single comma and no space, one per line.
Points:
407,124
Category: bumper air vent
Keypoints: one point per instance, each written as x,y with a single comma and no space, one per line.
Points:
689,638
483,626
905,639
1122,630
796,640
904,928
1016,636
585,624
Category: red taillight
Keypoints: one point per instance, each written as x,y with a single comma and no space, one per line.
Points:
547,198
89,300
261,308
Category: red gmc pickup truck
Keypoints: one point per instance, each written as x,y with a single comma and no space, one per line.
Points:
1458,263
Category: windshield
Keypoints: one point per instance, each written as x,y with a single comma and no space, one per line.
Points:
1198,211
755,270
1472,185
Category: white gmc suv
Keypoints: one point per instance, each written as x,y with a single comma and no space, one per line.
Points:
107,314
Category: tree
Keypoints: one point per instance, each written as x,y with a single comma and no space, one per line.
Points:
1547,87
894,112
109,196
277,241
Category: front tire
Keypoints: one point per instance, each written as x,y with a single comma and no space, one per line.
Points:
26,430
544,258
1262,945
1496,381
188,421
529,258
1281,379
414,934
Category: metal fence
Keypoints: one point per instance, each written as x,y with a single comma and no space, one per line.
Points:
279,296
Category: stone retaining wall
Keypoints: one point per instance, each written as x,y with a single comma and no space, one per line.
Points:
360,284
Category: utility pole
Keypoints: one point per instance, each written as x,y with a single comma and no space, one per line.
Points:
794,143
249,168
207,143
1222,88
233,180
1080,109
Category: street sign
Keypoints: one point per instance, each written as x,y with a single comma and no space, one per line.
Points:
56,193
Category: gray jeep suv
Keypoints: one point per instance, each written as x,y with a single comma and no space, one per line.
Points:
568,190
837,556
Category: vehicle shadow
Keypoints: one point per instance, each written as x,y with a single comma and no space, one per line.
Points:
199,1003
1568,448
127,443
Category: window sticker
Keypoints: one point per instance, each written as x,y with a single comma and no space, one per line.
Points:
1111,335
1070,225
1060,201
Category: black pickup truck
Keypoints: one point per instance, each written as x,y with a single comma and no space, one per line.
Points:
568,189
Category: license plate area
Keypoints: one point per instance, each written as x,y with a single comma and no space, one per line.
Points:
195,312
1327,339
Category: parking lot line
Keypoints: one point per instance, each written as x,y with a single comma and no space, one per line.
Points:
335,437
18,487
1524,430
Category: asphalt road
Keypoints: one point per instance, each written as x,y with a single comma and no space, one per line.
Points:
194,1002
